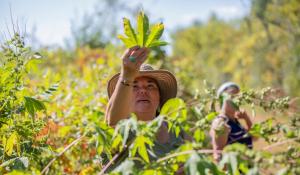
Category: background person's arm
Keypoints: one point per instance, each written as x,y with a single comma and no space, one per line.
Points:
219,135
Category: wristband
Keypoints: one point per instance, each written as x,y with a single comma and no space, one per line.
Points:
126,82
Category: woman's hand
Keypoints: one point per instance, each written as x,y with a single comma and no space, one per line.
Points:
133,58
242,114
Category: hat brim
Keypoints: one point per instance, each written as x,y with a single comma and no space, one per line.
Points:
166,82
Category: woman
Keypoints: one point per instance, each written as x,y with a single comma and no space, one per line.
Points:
226,128
141,90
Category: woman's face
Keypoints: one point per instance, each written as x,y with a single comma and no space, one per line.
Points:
229,108
146,95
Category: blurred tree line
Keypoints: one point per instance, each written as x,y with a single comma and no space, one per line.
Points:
261,49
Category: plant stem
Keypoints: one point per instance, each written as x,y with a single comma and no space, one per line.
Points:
62,152
204,151
279,143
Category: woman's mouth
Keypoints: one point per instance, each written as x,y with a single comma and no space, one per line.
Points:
143,101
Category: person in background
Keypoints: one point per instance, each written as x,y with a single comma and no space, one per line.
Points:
226,128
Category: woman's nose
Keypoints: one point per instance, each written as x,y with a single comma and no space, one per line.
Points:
142,89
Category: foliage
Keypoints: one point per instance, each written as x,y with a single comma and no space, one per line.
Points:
142,37
20,120
52,113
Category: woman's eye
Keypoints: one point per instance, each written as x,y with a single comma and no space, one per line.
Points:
151,86
135,87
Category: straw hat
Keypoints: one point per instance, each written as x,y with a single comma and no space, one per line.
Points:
165,80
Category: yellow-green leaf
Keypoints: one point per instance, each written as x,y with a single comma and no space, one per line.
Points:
128,43
143,152
33,105
142,28
140,146
177,131
116,141
157,44
63,131
4,140
209,117
18,148
199,135
155,33
129,32
174,108
10,144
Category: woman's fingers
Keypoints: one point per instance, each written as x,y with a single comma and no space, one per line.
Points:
139,54
134,47
129,51
143,57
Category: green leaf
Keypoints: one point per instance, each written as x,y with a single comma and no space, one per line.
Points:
10,142
177,131
199,135
24,161
255,130
49,92
4,140
8,162
200,165
128,43
151,172
255,171
142,36
126,133
230,160
140,147
126,128
129,32
143,152
142,28
155,123
33,105
116,141
125,168
156,32
174,108
209,117
63,131
157,44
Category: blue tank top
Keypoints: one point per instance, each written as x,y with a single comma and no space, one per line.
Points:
238,133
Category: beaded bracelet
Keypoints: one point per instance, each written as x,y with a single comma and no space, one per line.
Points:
126,82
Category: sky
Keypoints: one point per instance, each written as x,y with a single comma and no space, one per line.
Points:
50,20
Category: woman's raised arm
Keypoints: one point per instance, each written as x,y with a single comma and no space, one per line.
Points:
120,104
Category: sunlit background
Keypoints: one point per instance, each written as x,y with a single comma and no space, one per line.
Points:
55,22
53,83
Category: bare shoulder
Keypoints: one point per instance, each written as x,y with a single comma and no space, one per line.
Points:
220,125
